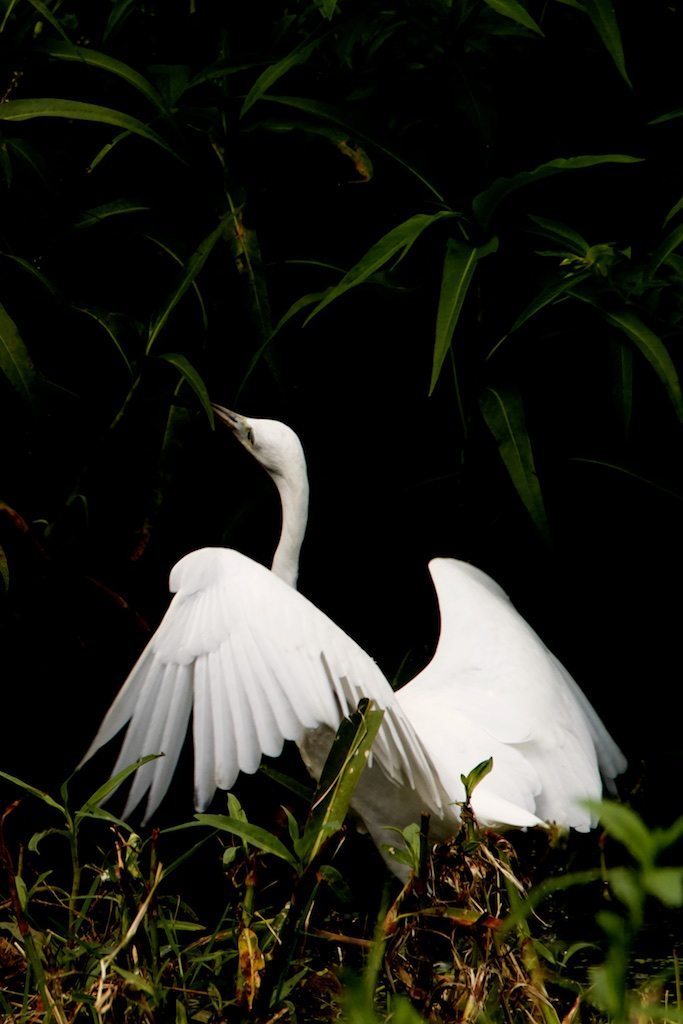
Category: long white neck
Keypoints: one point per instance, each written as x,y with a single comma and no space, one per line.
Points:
294,499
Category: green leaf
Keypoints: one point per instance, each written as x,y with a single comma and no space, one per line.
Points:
45,797
626,886
666,884
188,373
666,247
107,323
503,412
82,55
477,775
458,269
253,834
552,291
274,73
46,13
676,208
671,115
559,232
33,270
601,13
487,202
513,9
396,242
134,980
99,213
623,383
75,110
105,791
192,269
340,775
15,362
626,827
653,349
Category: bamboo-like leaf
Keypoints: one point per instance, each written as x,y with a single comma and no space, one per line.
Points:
272,74
104,791
487,202
667,246
34,271
194,379
15,362
513,9
604,19
671,115
559,232
652,347
676,208
113,209
121,10
396,243
458,269
327,113
75,110
340,775
81,54
626,827
30,156
327,7
45,797
106,324
503,412
253,834
552,291
46,13
193,268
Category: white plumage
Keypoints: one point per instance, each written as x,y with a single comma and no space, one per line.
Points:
257,664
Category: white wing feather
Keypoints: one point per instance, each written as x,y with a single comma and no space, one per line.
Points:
258,664
495,690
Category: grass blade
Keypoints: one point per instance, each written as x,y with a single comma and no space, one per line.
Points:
75,110
514,10
340,775
272,74
651,346
193,378
45,797
667,246
81,54
459,265
503,412
603,17
105,791
253,834
396,243
192,269
488,201
15,362
559,232
113,209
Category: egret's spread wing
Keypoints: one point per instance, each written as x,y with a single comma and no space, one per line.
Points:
257,664
492,671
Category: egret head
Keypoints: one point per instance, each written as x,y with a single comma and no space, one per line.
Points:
273,444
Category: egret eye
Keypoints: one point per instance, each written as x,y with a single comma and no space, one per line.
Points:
250,435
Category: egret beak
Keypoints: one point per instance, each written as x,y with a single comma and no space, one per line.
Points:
236,423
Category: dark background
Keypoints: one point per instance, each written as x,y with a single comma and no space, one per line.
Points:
96,514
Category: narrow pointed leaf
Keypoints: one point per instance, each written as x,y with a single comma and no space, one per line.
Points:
45,797
33,270
513,9
340,775
275,72
194,379
113,209
602,14
15,362
488,201
503,413
671,115
458,269
676,208
396,243
552,291
626,827
652,347
559,232
106,790
75,110
668,245
623,383
193,268
82,55
107,324
46,13
253,834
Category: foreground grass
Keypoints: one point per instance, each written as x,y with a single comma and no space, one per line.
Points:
97,922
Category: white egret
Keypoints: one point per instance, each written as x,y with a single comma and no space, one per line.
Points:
257,664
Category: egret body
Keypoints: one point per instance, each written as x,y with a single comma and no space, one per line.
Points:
257,663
